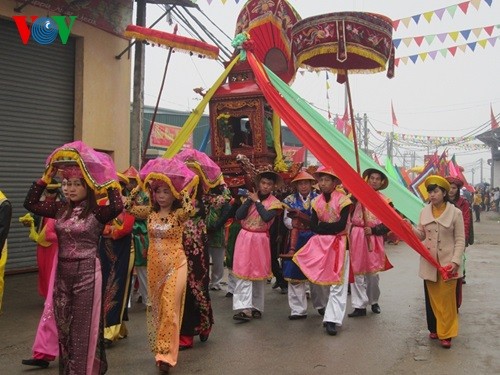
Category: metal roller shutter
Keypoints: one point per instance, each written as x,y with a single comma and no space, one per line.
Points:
36,116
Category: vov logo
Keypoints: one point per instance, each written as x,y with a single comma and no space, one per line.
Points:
44,30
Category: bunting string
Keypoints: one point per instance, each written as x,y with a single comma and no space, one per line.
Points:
444,52
442,37
451,10
436,141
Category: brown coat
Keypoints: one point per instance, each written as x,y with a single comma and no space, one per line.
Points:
444,237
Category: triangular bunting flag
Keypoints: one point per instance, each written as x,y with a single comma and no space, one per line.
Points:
223,2
433,54
413,58
416,18
444,51
462,47
477,31
440,13
488,2
442,37
404,60
407,41
451,10
396,42
489,30
454,35
472,46
406,21
396,62
465,34
482,42
419,40
492,41
452,50
395,24
423,55
476,3
464,6
428,16
430,38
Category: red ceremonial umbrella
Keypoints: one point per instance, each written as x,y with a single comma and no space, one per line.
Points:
345,42
270,25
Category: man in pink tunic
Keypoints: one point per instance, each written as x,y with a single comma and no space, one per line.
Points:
324,259
367,250
252,254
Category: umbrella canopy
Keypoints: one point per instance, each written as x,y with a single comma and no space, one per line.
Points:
177,42
98,168
357,42
174,172
269,24
209,172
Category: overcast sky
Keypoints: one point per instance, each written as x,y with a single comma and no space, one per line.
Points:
443,97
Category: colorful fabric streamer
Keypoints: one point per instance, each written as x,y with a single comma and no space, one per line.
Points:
305,124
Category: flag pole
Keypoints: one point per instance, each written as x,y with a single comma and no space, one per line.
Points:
356,148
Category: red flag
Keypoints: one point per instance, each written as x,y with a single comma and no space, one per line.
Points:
340,125
346,115
394,119
300,155
494,122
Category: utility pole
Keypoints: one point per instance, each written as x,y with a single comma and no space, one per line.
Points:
365,131
481,170
389,145
138,93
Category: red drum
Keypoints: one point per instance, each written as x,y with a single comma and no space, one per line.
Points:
357,42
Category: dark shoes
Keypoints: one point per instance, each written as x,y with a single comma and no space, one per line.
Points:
164,367
376,308
242,317
321,311
357,313
297,317
35,362
330,328
204,335
283,290
256,314
229,295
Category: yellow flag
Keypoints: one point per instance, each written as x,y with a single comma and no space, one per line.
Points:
194,117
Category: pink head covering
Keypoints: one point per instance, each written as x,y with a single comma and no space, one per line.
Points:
97,168
171,171
209,172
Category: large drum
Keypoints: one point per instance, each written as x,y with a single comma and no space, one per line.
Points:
357,42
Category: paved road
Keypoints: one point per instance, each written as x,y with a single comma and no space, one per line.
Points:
394,342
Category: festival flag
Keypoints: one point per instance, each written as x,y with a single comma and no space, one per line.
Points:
394,119
461,176
494,122
300,155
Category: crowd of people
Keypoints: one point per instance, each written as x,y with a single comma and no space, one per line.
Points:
171,229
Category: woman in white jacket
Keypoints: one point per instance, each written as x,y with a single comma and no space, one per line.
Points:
441,228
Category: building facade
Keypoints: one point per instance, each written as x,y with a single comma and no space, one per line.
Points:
55,93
